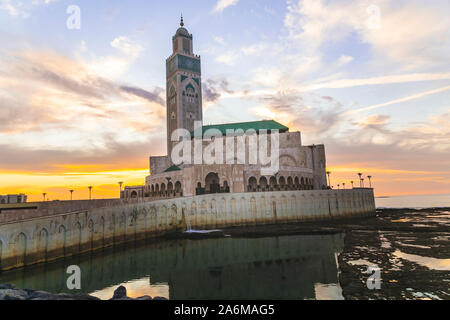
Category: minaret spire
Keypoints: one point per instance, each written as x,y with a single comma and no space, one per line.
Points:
182,22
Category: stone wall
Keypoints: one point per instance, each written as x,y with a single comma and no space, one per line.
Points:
49,237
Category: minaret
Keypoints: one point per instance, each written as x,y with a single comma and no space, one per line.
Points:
184,85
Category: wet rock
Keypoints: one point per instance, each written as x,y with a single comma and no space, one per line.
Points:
13,294
160,298
120,293
7,286
144,298
10,292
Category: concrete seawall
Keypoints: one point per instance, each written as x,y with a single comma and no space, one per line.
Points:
38,239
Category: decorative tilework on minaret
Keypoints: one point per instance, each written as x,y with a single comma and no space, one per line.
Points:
184,85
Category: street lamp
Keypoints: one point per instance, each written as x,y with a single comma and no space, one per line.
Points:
352,183
339,187
43,195
71,194
370,181
360,179
120,188
343,185
329,179
90,192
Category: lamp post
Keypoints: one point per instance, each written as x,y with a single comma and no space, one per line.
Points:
352,183
343,185
339,187
370,181
90,192
120,188
71,194
360,179
43,195
329,179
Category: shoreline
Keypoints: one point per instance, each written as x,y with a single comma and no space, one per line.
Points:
387,240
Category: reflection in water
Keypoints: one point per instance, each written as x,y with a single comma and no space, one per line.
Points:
288,267
430,263
135,289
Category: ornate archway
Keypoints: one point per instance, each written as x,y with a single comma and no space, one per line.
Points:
212,183
263,183
252,184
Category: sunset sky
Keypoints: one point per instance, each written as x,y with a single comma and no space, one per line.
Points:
86,106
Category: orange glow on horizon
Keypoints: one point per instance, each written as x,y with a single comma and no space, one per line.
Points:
57,185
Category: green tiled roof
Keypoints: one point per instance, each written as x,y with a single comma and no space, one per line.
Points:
172,168
256,125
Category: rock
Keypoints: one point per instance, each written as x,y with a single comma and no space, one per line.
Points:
13,294
144,298
160,298
7,286
120,293
10,292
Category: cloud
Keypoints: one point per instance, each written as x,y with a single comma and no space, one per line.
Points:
390,79
298,112
213,89
46,95
404,99
147,95
422,39
127,46
17,8
223,4
229,58
114,154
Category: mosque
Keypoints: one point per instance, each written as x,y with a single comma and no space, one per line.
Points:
298,167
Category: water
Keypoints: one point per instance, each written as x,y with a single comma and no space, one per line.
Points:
287,267
416,201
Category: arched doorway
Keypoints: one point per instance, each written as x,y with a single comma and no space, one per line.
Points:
226,188
199,190
273,183
20,249
297,183
282,183
252,184
178,191
263,183
212,183
163,189
134,194
290,183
